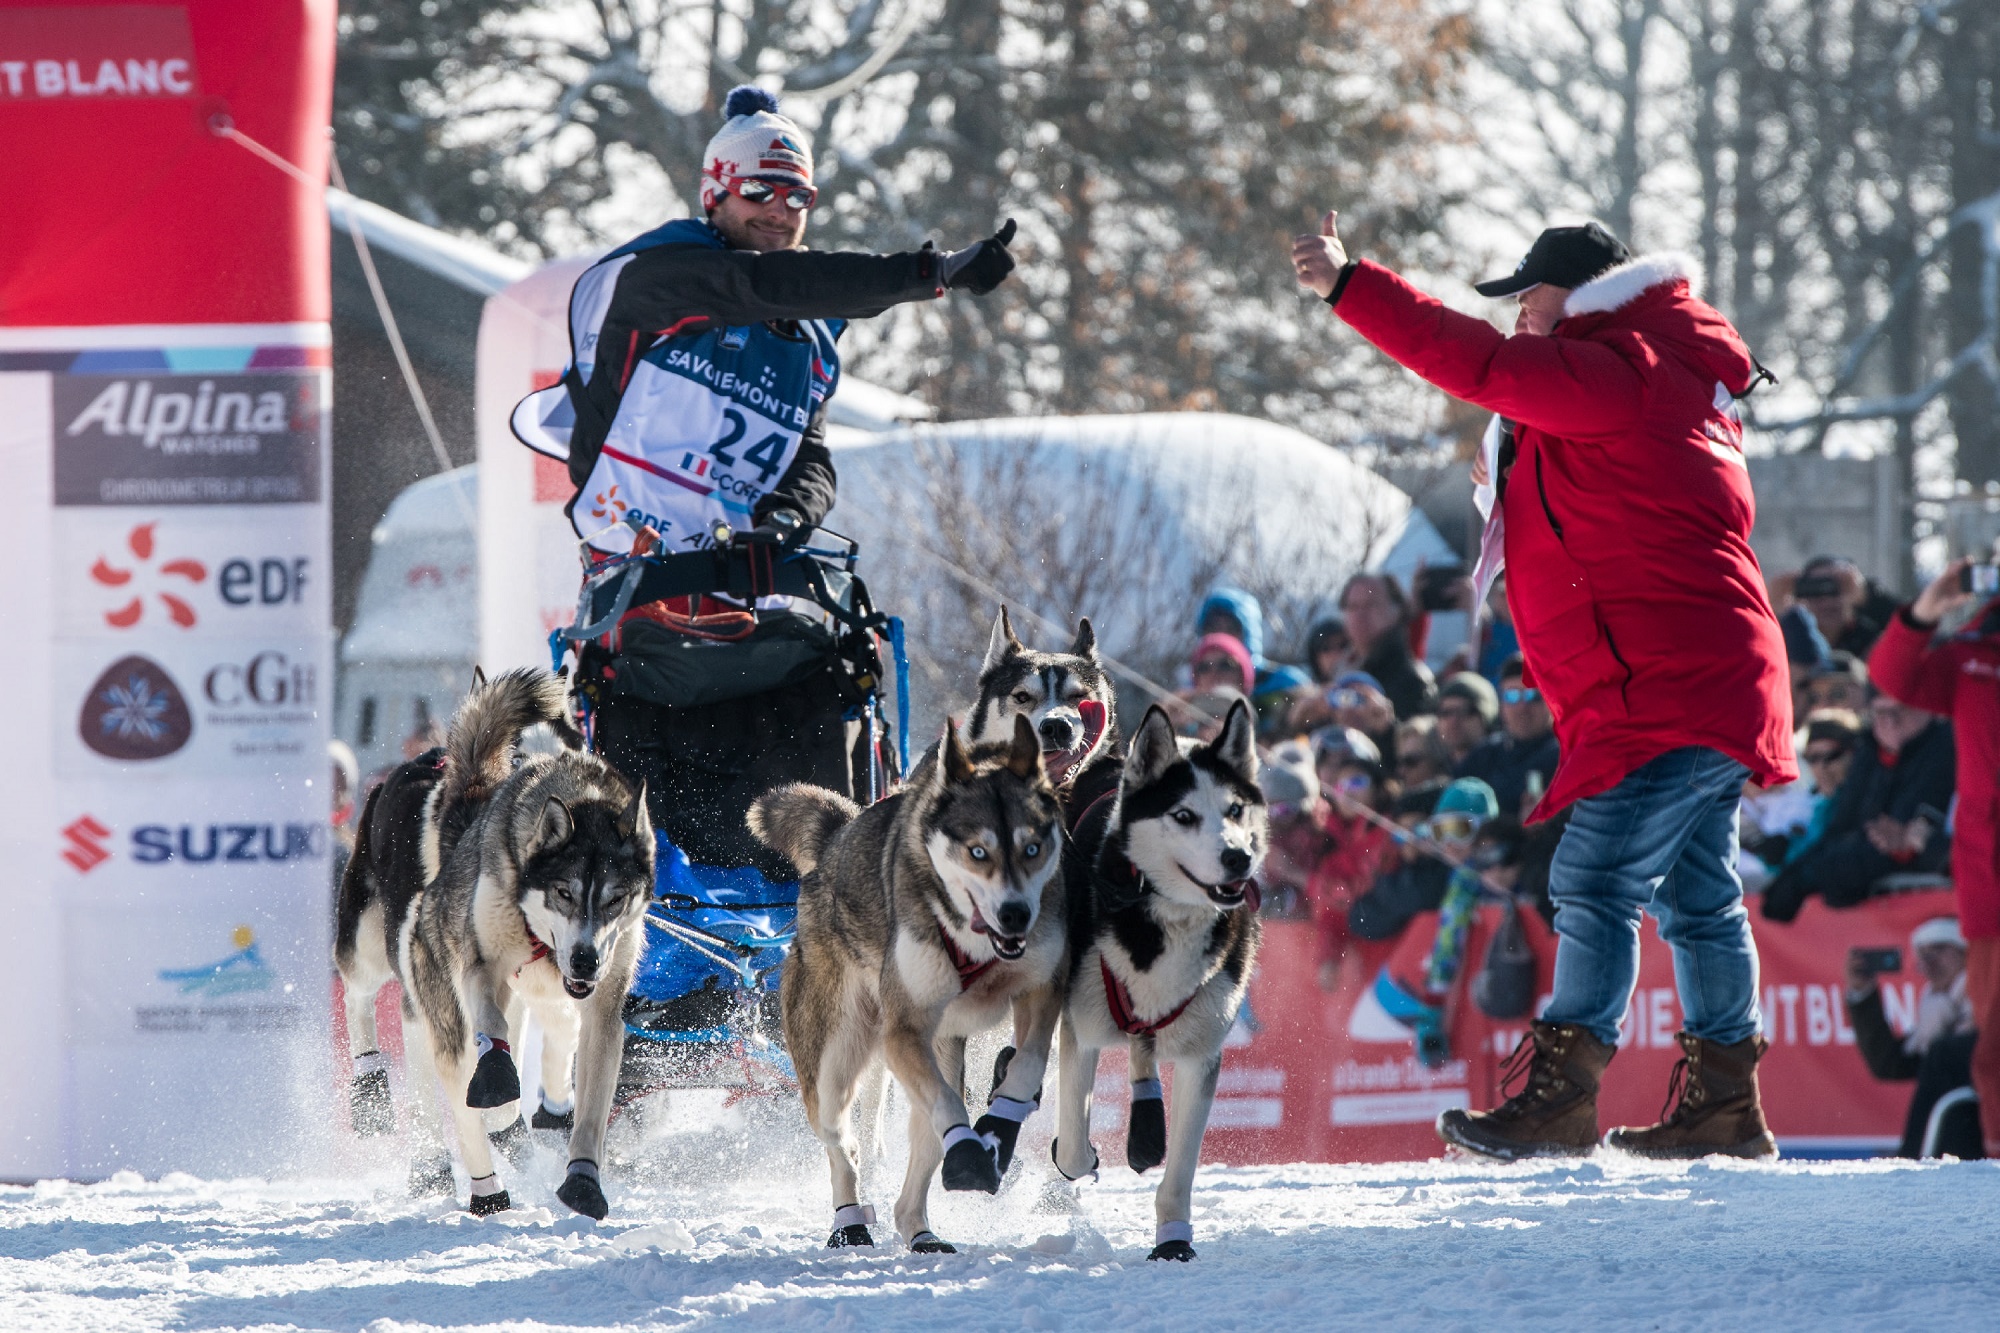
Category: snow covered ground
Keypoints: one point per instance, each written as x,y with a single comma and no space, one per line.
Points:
730,1233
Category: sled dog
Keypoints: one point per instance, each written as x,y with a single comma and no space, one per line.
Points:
1163,929
922,920
406,824
1065,696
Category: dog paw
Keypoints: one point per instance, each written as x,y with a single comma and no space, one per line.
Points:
1146,1134
969,1165
485,1205
844,1238
514,1143
372,1110
1177,1250
1002,1131
927,1242
543,1118
1055,1156
431,1178
495,1081
580,1191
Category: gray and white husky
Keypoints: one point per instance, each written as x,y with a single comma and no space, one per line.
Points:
922,920
1066,697
1163,931
538,902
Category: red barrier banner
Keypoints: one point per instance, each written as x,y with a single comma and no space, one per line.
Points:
1324,1076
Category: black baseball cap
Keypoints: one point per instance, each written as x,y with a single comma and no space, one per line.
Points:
1562,256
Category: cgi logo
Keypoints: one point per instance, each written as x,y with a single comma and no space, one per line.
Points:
269,679
84,844
135,711
157,844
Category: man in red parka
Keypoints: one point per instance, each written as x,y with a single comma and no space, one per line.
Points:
1959,676
1626,510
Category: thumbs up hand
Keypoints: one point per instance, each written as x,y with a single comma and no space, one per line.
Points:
1318,258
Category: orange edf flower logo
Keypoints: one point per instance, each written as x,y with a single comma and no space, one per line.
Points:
140,542
609,505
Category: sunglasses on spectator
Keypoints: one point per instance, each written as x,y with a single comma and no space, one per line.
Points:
1217,666
798,198
1827,756
1345,697
1354,784
1460,711
1519,696
1451,827
1411,761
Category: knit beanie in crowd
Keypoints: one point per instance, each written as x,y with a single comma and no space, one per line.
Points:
754,141
1468,796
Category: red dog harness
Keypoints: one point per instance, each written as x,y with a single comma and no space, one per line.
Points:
968,971
1119,1001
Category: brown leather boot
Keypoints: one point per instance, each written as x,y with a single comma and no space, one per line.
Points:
1717,1110
1555,1115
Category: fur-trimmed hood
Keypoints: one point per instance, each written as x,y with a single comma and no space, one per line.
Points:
1620,286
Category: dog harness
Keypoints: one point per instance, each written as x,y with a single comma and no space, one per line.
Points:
536,954
968,971
1119,1001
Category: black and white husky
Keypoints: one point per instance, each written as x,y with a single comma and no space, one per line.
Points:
1066,697
1163,931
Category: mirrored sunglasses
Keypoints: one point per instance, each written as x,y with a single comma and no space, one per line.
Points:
798,198
1521,696
1451,827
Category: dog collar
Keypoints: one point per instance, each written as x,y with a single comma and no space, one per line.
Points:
1118,999
536,954
968,971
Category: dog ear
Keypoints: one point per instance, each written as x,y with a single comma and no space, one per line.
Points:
1002,645
630,816
1024,757
955,762
556,824
1086,640
1154,749
478,679
1237,745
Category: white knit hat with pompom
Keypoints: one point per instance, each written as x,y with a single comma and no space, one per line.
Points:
754,141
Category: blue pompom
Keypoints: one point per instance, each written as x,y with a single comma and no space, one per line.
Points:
746,99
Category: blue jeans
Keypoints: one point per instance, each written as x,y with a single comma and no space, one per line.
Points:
1663,840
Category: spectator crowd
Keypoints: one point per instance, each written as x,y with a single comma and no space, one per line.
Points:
1385,779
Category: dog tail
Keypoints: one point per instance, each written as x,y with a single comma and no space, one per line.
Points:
479,749
798,820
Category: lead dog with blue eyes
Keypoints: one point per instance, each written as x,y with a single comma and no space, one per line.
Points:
1163,928
926,918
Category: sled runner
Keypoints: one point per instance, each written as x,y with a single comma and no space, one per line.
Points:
736,697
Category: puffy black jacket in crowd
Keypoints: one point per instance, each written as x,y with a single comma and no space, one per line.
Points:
1504,763
1945,1064
1411,687
1843,865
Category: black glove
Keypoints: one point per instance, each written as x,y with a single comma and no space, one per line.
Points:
980,268
781,527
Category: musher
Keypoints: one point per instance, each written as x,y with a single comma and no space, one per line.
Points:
703,354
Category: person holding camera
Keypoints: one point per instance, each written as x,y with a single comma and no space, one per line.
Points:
1937,1050
1625,513
1958,675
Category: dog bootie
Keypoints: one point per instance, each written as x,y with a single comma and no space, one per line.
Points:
372,1110
431,1177
969,1162
581,1192
1002,1125
513,1143
1146,1129
488,1197
1174,1240
548,1115
495,1081
927,1242
850,1227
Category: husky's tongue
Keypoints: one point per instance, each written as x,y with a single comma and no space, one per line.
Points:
1061,763
1006,946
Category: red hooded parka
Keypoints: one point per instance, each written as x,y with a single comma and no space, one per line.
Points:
1640,606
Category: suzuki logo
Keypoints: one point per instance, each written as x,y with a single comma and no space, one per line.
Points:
85,839
140,542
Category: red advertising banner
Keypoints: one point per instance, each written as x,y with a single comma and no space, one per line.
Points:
1331,1077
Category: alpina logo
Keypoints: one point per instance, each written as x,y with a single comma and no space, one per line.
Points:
84,841
135,711
140,543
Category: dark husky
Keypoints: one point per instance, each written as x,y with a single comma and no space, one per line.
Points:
1067,699
923,920
1163,930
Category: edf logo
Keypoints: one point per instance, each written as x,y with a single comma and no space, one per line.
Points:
270,582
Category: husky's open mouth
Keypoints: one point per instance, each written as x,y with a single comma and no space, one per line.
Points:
1008,947
578,990
1060,763
1229,894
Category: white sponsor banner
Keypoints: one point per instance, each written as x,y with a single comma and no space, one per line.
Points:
191,707
126,573
1396,1108
162,842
